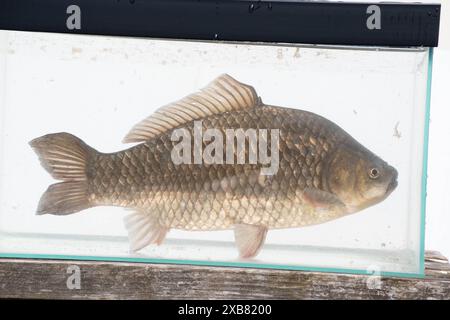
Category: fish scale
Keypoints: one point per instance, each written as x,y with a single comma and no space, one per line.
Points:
299,160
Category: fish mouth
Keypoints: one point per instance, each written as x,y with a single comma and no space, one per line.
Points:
393,184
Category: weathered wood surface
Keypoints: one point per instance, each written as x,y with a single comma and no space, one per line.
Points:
23,278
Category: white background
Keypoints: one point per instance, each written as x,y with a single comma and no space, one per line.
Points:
438,208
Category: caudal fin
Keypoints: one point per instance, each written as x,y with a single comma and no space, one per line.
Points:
66,158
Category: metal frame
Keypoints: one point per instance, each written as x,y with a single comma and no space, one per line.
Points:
313,22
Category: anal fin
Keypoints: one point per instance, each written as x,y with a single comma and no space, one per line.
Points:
249,239
144,229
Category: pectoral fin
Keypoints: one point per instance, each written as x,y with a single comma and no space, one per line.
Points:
249,239
321,199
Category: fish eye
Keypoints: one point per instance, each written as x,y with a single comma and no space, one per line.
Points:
374,173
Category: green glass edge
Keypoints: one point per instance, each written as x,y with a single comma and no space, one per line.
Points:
209,263
425,162
421,273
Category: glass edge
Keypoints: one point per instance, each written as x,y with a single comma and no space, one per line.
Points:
417,48
211,264
425,162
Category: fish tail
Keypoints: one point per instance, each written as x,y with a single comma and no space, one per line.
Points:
66,158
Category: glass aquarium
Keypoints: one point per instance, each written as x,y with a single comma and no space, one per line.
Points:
219,153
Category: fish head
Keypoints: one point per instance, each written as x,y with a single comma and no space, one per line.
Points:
359,178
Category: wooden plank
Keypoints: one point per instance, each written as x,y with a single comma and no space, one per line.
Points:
30,278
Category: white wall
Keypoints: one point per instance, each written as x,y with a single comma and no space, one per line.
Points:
438,208
444,36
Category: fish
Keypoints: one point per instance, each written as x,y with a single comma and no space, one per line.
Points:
322,173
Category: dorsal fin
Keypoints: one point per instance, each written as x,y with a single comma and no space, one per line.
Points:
222,95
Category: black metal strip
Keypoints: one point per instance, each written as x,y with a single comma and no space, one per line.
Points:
315,22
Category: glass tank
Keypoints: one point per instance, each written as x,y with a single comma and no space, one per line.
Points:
288,156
